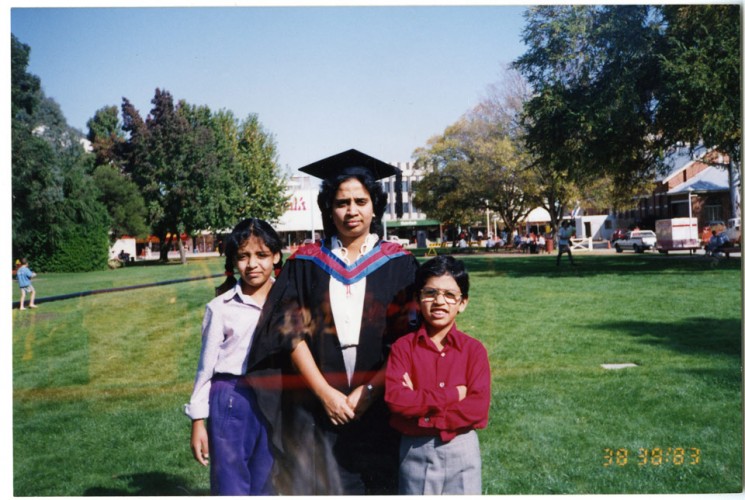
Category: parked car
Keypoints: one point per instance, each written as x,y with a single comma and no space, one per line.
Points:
638,241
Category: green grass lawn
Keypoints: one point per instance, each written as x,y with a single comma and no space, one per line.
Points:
99,381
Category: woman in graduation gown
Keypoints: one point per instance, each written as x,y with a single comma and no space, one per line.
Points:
336,309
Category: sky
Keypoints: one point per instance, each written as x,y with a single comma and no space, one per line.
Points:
323,79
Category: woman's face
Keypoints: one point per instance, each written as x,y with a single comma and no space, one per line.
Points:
352,211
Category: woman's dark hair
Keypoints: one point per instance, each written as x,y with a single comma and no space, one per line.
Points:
327,195
242,232
440,266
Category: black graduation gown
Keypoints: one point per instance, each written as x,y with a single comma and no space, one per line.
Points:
315,457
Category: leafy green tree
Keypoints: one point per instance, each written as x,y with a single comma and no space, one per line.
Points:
57,220
121,196
615,86
701,86
700,95
123,202
197,170
594,71
105,134
263,185
25,88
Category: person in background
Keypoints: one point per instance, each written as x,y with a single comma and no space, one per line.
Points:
340,304
228,432
438,387
24,275
716,242
541,243
564,239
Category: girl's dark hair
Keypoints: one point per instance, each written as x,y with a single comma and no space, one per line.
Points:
440,266
327,195
242,232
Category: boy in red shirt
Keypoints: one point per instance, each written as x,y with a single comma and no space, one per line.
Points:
438,387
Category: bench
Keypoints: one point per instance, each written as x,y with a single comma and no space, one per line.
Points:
728,250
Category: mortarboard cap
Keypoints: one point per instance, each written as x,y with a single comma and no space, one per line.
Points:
334,165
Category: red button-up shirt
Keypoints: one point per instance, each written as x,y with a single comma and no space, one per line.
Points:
432,408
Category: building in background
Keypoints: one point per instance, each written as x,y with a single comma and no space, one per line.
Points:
301,222
696,184
413,225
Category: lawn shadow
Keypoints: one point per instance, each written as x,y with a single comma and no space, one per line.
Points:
594,265
690,336
148,484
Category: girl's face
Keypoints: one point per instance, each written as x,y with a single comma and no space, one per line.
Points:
255,263
352,211
440,301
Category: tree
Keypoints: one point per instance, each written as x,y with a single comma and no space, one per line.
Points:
700,95
57,220
25,88
478,163
121,196
197,170
615,86
123,202
105,134
594,73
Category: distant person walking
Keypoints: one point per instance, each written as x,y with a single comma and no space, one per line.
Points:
564,235
24,275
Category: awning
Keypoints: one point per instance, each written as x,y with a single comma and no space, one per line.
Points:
412,223
538,214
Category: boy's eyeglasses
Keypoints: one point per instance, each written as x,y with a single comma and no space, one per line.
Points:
430,294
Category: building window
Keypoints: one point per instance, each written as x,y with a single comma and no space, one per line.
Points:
713,212
679,208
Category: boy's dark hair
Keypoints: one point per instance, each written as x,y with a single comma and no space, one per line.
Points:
241,232
440,266
327,195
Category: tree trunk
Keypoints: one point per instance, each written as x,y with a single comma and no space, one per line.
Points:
165,246
181,250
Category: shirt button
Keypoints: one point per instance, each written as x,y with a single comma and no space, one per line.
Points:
426,419
442,354
442,384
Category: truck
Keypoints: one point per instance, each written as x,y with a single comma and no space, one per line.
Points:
680,233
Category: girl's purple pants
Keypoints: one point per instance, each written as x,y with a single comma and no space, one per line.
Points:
240,459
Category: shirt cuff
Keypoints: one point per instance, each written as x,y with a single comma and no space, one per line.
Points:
196,413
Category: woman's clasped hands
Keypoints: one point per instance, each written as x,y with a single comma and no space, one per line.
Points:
342,409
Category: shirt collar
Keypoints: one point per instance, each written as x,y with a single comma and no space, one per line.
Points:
454,337
338,249
237,294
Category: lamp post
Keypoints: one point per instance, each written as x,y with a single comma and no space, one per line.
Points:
690,214
488,228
